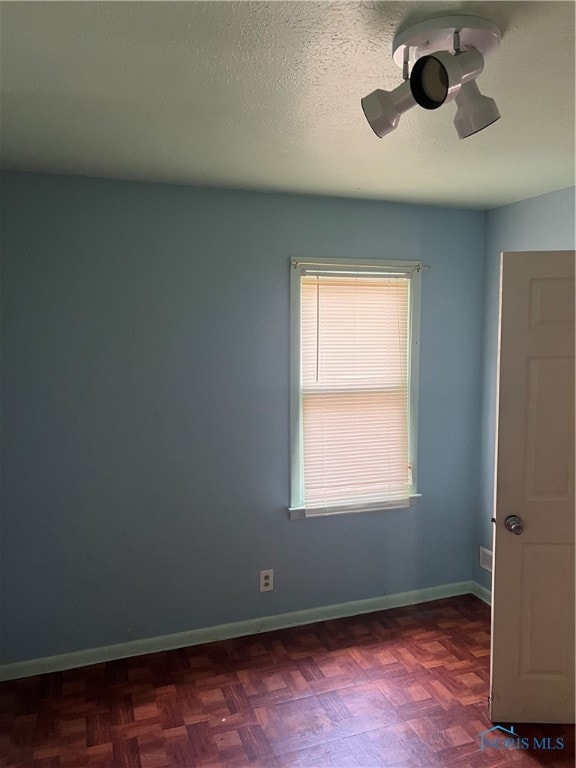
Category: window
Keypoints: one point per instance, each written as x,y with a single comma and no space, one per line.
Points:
354,375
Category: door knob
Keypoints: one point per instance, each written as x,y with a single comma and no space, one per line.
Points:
514,524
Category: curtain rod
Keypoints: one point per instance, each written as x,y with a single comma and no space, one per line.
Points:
363,265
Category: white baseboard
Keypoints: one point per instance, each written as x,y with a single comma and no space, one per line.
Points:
481,592
237,629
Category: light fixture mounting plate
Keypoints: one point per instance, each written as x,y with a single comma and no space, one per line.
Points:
438,35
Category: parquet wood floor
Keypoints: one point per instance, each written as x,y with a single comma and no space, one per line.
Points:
403,688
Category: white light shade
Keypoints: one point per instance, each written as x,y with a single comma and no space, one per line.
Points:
438,78
475,111
383,109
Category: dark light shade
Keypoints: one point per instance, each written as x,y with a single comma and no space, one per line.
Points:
429,82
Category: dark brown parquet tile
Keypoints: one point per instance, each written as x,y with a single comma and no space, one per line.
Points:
404,688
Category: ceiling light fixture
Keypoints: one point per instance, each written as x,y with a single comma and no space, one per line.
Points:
440,61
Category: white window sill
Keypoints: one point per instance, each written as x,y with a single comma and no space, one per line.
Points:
300,513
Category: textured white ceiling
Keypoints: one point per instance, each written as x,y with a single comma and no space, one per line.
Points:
267,95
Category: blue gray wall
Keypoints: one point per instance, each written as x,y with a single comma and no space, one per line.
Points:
540,223
145,440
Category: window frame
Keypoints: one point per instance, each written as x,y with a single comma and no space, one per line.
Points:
298,266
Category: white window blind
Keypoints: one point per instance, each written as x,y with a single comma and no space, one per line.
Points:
355,335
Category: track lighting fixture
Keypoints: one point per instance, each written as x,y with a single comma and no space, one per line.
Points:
446,56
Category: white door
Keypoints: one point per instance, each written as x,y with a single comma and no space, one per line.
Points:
532,658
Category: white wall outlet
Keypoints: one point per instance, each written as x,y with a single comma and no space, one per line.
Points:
485,558
267,580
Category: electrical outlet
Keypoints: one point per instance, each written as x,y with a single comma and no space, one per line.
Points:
267,580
